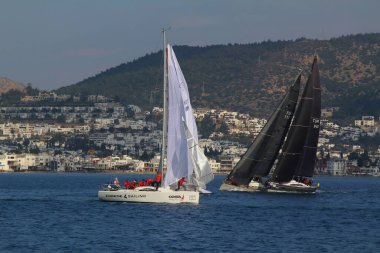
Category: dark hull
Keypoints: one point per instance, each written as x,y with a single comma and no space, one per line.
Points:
284,188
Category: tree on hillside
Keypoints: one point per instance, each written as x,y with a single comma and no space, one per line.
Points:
353,156
10,97
207,126
363,159
35,150
26,142
30,91
224,128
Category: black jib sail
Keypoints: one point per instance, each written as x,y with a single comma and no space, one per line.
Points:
260,156
300,147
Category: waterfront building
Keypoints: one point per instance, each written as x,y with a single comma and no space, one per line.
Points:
336,167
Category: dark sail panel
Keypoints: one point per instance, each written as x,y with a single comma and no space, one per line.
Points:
306,164
276,135
293,146
262,153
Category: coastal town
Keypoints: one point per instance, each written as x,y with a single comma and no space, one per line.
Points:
66,133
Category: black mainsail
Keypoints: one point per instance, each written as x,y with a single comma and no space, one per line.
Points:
300,147
260,156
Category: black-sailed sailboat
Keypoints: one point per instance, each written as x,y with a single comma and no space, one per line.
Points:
262,153
293,129
296,162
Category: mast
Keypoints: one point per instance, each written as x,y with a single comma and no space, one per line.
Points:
165,98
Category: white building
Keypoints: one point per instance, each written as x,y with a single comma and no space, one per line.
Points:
336,167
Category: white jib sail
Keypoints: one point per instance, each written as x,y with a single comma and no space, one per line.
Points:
202,170
177,151
197,161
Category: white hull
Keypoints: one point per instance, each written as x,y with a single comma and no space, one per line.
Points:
252,187
149,194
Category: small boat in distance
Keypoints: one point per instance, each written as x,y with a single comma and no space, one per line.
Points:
184,157
290,136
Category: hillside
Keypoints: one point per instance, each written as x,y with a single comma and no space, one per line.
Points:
7,85
253,77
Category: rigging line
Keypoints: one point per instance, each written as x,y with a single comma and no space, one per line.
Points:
251,159
193,146
298,126
288,153
292,101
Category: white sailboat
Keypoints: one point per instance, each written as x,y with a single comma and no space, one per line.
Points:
184,157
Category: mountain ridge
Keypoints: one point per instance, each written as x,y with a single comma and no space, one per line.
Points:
257,73
7,84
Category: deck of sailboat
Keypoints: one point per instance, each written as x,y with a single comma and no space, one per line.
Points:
291,187
234,188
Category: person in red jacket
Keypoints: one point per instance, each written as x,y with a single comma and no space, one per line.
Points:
158,179
127,185
180,183
133,184
149,182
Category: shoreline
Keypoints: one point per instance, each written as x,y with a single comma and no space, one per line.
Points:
147,173
93,172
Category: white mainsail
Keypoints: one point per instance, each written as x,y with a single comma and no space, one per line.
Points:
183,115
177,156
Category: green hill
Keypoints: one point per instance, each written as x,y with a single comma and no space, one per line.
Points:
252,77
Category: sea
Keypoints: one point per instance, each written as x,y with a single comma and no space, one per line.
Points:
60,212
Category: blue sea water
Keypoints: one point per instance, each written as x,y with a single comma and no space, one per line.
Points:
47,212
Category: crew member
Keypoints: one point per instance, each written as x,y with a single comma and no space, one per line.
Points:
149,182
133,184
158,179
127,184
116,182
180,183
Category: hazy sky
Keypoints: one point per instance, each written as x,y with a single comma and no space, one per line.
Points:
54,43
